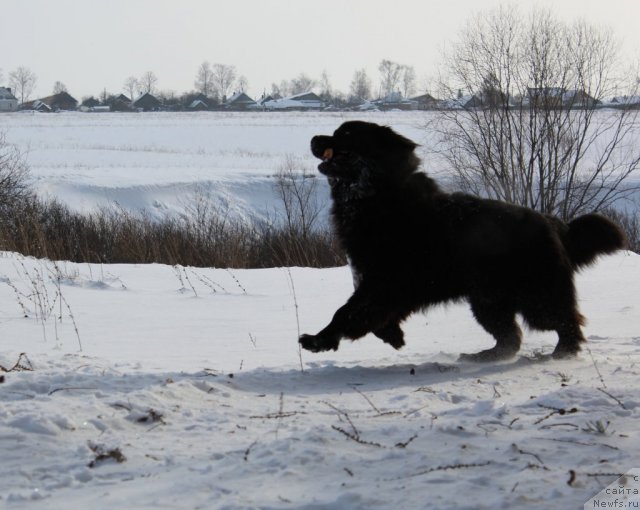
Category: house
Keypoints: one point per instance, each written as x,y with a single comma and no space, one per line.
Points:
624,102
119,105
37,106
356,103
426,102
266,98
300,102
89,104
61,101
8,102
197,105
147,103
559,97
240,101
395,101
579,99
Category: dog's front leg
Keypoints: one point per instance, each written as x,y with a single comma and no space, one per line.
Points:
367,310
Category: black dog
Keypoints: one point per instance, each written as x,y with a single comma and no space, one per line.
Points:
411,245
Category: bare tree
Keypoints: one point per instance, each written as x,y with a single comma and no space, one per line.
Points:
242,83
326,91
360,85
59,88
204,79
408,80
14,177
298,192
23,81
534,136
131,86
223,79
390,73
301,83
279,89
147,83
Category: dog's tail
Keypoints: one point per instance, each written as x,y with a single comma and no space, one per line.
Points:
591,235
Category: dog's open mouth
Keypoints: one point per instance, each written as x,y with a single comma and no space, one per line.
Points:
327,154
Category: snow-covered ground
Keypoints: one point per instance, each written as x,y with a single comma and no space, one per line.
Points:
179,388
194,377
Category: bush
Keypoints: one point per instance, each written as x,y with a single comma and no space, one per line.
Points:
630,223
204,236
49,229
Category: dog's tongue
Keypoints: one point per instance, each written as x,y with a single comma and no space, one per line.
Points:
327,154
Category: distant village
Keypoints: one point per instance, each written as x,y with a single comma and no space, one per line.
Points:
308,101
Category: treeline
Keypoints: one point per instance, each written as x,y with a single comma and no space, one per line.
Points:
219,81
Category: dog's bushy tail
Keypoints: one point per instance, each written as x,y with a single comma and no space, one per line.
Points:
592,235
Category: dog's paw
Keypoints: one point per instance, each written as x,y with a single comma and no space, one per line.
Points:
316,343
391,334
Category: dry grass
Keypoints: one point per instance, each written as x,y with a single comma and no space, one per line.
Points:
49,229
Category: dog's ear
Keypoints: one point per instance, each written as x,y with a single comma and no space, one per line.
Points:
398,140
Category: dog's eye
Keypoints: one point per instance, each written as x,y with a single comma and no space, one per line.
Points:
346,133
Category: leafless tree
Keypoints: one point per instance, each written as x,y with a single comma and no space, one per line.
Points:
131,86
534,135
14,176
59,88
223,79
204,79
390,73
298,192
360,85
242,83
326,90
147,83
408,80
302,83
23,81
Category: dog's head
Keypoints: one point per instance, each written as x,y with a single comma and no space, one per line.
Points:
358,146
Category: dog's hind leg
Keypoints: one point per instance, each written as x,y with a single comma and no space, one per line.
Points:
570,337
498,319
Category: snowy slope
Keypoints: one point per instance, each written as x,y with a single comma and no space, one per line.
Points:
189,393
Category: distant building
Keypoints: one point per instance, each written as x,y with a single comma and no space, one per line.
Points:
8,102
304,101
240,101
37,106
426,102
266,98
559,97
146,102
624,102
197,105
61,101
395,101
90,102
56,102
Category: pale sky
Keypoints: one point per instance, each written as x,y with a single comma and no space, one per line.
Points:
90,45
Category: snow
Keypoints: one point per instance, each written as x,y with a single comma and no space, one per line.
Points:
190,390
158,162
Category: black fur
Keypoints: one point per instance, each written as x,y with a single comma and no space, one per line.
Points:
411,245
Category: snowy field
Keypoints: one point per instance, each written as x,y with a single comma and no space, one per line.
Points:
180,388
158,162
